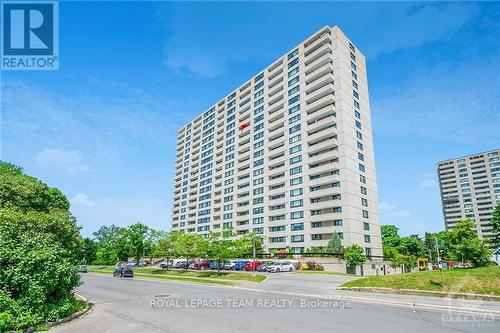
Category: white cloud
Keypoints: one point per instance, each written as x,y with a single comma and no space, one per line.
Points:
103,121
386,206
390,210
81,199
433,105
69,160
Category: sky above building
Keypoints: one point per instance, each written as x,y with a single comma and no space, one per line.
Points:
103,127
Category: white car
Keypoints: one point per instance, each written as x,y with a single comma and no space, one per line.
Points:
230,264
283,266
495,257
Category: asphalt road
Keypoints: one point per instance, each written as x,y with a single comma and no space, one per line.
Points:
133,305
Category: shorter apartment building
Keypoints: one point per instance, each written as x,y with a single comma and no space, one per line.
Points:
470,188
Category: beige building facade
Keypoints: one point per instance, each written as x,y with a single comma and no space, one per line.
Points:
470,188
288,155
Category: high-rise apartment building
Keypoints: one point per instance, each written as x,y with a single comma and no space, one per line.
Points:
470,188
287,155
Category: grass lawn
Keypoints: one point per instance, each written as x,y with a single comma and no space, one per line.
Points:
484,280
182,275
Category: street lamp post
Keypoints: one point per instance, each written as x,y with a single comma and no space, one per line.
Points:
253,265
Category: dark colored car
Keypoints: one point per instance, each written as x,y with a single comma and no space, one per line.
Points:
123,272
82,269
215,265
251,266
183,265
201,265
263,266
240,265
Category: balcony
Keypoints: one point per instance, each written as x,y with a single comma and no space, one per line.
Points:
274,73
318,63
275,108
326,90
325,204
320,124
275,91
275,100
325,217
317,39
320,103
322,48
325,134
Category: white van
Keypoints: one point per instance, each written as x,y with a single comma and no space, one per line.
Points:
177,263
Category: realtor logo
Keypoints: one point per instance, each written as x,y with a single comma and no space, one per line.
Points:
30,38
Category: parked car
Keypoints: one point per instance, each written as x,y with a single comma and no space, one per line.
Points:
82,269
229,265
283,266
253,265
202,264
177,263
166,264
185,264
215,265
123,271
264,265
240,265
495,257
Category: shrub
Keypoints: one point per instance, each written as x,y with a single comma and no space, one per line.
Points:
39,246
304,267
319,267
311,265
6,321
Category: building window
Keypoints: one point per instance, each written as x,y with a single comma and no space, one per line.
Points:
365,214
296,215
363,190
296,203
297,238
295,181
293,53
366,226
367,239
295,159
296,192
295,149
364,202
296,170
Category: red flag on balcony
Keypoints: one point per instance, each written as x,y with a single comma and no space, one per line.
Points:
243,125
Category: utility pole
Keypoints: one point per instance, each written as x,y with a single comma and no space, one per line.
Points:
440,265
253,264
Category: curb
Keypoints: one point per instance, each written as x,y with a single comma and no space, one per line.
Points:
417,292
75,315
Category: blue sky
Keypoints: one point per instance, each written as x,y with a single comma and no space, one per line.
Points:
102,128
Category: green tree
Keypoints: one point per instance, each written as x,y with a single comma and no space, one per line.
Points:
354,255
111,245
191,246
89,251
494,241
334,245
167,246
221,246
243,246
138,240
40,245
466,244
411,246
